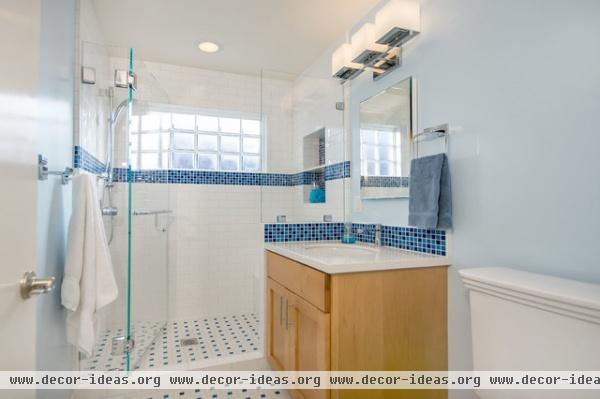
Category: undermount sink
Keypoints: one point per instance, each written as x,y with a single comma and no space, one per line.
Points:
337,250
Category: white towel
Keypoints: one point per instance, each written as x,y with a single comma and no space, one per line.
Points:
89,282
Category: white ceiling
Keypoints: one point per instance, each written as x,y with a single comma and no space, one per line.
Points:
278,35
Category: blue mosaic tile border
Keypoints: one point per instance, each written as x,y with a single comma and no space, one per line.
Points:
336,171
322,150
82,159
281,232
409,238
384,181
85,160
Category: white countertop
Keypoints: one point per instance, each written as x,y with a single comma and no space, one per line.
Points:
333,257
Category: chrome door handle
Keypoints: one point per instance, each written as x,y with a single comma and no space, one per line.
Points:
31,285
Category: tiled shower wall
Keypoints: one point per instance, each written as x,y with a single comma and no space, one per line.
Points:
216,262
212,245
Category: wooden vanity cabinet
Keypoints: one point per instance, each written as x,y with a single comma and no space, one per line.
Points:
376,320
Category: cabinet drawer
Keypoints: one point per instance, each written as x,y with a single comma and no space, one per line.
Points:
307,283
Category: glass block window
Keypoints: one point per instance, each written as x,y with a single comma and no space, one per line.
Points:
195,141
380,152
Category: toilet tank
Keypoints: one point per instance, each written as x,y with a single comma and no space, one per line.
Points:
527,321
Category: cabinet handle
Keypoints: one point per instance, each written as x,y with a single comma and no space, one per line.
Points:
280,310
287,307
286,314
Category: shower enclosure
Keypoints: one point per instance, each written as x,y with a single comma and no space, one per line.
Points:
185,239
192,164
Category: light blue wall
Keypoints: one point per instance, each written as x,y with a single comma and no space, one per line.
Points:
519,83
57,73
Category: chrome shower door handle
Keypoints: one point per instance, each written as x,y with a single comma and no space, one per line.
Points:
31,285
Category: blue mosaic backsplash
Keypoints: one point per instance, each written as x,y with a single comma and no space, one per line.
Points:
86,161
409,238
283,232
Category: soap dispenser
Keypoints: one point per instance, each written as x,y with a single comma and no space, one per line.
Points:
348,237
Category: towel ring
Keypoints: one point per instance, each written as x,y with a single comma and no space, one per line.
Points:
431,133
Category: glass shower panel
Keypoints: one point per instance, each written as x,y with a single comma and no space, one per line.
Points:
149,215
98,124
308,149
216,145
122,140
187,234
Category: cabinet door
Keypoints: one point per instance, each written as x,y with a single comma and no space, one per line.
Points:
279,345
309,331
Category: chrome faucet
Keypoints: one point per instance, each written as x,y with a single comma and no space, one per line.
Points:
378,235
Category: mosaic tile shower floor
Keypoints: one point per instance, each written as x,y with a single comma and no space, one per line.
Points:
218,337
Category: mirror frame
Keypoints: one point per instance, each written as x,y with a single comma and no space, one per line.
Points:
413,130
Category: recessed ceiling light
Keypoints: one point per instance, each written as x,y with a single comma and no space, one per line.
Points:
209,47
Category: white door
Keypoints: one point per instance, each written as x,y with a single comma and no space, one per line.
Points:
19,130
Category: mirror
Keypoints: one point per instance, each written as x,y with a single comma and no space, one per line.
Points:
386,128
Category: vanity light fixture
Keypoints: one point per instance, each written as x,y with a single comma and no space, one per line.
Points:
378,45
342,66
397,22
363,48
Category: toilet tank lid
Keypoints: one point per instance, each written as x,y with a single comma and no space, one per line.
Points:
555,289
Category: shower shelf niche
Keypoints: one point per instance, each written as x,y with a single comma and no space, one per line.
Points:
313,172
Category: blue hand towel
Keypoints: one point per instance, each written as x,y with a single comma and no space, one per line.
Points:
430,195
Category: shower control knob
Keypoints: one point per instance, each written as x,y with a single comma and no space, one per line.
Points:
31,285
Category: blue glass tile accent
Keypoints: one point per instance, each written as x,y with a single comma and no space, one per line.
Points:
384,181
82,159
219,177
414,239
409,238
337,171
282,232
321,150
364,232
86,161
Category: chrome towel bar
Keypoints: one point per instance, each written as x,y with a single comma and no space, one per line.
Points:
43,171
141,212
432,133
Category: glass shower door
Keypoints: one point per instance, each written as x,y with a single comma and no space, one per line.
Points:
121,139
148,218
